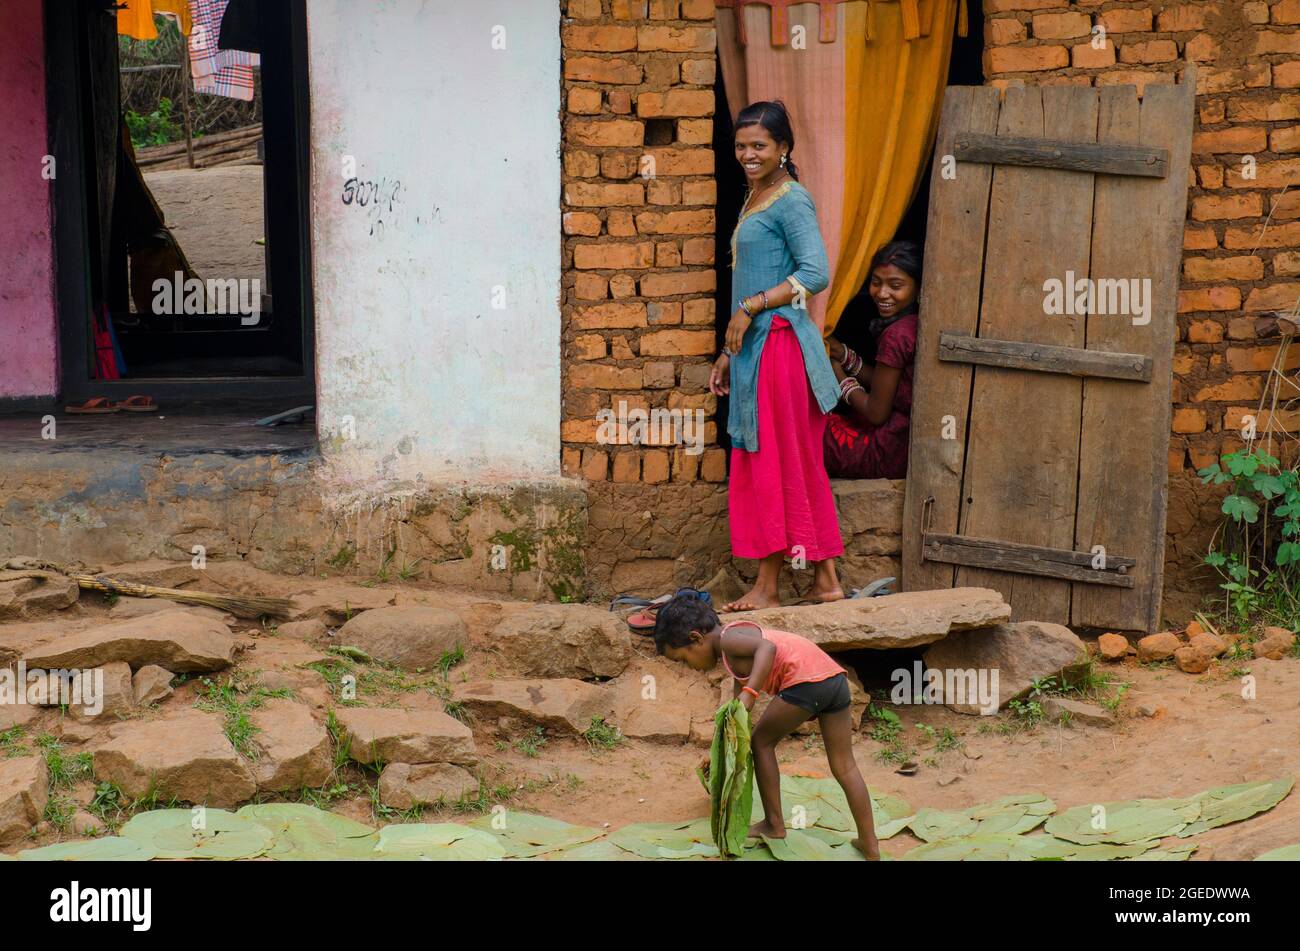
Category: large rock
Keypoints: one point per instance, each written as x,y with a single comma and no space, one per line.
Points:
376,735
403,785
185,756
911,619
564,705
1019,653
336,603
35,593
128,607
657,700
24,788
105,692
178,640
293,749
564,640
414,638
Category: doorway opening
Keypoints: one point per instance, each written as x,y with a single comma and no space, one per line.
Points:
965,68
182,239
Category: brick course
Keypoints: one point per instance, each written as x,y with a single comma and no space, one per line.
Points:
639,222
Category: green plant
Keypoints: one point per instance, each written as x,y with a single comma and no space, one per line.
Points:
601,735
1259,546
531,743
947,741
1029,712
886,725
155,128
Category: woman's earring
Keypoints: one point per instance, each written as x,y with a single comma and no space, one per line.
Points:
783,160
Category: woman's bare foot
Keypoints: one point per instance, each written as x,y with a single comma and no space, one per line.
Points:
765,828
872,855
754,600
825,596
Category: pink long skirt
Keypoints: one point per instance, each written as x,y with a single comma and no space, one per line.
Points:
780,497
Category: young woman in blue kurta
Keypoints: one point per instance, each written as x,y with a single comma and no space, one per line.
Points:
775,368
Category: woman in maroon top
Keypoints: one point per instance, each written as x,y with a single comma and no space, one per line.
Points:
867,437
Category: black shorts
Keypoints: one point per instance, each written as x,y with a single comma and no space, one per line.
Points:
822,696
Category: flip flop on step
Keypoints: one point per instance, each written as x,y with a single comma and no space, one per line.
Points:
96,404
139,404
643,621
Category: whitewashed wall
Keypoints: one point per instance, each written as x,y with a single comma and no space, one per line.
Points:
456,151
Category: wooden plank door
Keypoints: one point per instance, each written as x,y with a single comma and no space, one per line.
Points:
1039,438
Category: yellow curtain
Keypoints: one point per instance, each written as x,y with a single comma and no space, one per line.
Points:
894,93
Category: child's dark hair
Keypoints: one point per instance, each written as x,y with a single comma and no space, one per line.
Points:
907,256
678,618
773,117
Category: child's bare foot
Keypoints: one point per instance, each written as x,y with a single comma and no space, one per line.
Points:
752,601
872,855
765,828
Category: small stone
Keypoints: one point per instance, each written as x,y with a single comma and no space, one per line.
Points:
105,692
1113,646
949,779
1192,660
1274,645
1155,647
83,823
152,684
1147,710
308,630
1078,712
1210,644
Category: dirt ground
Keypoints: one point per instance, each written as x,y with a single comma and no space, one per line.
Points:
1175,735
216,215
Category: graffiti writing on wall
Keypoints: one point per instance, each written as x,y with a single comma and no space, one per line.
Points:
380,198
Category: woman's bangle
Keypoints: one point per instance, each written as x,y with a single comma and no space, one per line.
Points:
744,305
750,689
765,300
852,363
728,353
848,386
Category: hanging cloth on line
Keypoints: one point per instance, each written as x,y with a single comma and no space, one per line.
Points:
218,72
135,17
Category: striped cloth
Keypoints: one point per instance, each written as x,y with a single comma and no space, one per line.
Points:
217,72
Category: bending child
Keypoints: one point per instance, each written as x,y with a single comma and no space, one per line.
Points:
804,683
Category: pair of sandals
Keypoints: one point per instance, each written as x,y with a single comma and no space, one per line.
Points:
102,404
643,621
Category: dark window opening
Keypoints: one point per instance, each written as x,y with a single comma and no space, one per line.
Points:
965,68
183,283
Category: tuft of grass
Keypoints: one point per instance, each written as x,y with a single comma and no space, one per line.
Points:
234,699
601,735
531,743
65,771
450,659
11,743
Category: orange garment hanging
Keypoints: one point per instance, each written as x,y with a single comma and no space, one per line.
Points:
135,17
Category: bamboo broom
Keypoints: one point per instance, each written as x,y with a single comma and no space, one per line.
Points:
238,605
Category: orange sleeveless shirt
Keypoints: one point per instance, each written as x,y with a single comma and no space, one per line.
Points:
798,660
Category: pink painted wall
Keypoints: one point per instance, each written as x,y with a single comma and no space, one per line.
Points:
28,325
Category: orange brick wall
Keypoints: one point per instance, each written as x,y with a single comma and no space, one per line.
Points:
639,222
1234,270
